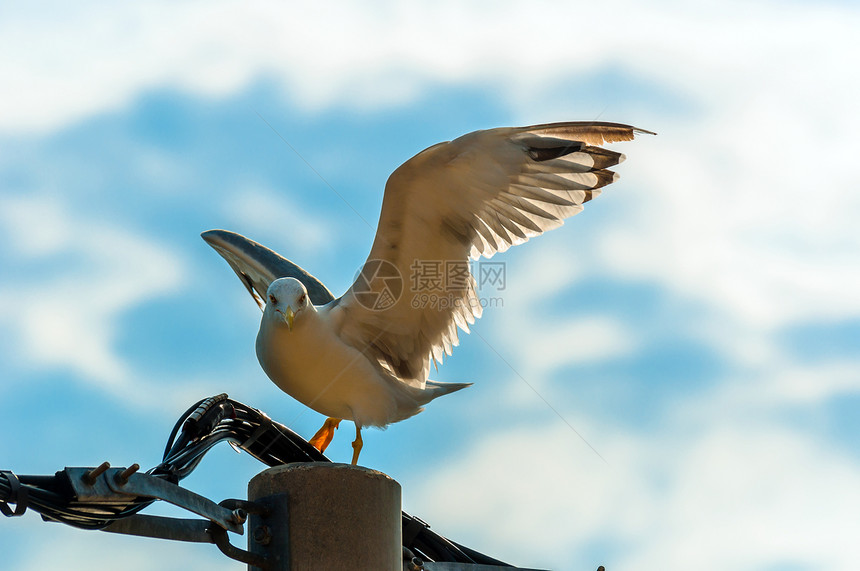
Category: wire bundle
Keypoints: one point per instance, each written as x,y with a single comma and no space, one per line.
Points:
202,426
220,418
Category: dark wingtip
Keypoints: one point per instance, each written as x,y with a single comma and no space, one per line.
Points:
211,236
218,237
548,153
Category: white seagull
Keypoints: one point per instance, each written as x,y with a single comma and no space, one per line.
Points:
366,355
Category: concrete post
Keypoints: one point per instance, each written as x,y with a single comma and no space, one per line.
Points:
339,517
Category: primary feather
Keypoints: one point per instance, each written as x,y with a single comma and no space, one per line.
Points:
470,197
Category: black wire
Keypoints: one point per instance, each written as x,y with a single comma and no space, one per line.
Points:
178,425
205,424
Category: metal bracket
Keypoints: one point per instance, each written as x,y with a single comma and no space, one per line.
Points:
223,542
108,485
446,566
269,533
115,485
158,527
191,530
268,523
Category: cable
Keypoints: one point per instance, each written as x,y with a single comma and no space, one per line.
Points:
206,423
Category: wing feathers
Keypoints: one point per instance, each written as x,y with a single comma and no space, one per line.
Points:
537,193
517,216
258,266
474,196
590,133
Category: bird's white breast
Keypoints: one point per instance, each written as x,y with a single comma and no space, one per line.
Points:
314,366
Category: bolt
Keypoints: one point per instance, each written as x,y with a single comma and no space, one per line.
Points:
122,477
263,535
239,516
90,477
416,564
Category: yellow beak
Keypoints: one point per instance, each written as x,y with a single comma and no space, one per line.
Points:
289,316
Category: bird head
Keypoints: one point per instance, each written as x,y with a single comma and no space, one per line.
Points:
287,298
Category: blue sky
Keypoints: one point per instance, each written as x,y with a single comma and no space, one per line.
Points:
698,325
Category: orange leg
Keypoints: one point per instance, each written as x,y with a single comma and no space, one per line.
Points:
356,446
324,435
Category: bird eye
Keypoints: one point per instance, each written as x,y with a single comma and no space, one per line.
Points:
272,299
302,299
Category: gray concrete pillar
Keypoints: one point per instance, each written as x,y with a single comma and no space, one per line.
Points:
339,516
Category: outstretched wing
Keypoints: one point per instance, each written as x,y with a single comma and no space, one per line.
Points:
258,266
471,197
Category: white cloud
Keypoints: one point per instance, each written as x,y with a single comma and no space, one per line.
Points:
746,202
579,341
780,385
91,272
750,237
716,492
76,549
270,215
538,347
100,55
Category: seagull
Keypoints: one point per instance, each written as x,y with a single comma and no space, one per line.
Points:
366,356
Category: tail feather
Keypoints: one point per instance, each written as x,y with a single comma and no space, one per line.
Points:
411,400
435,389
